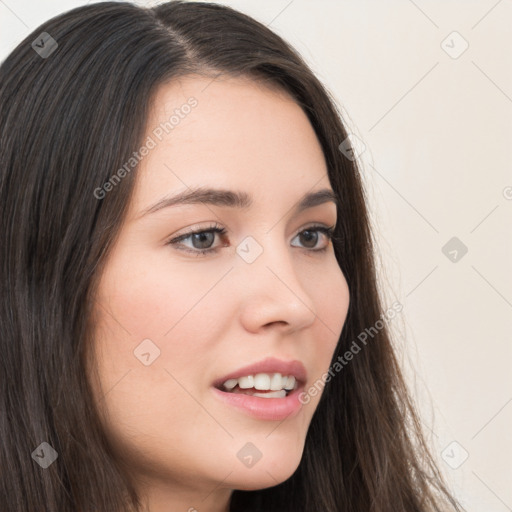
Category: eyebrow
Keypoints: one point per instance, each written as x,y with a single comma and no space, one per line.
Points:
235,199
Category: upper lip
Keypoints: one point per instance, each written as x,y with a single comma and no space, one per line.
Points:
268,365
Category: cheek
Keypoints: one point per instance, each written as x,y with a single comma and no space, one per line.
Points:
146,295
151,346
332,298
152,324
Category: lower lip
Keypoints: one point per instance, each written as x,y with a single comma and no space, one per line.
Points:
271,409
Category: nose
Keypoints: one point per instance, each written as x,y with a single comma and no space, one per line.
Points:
273,293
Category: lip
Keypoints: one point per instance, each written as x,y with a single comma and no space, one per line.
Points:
270,409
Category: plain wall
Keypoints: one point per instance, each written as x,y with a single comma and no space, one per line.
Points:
437,129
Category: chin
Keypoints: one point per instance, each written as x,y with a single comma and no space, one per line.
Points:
263,475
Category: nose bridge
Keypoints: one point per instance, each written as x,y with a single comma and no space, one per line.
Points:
275,292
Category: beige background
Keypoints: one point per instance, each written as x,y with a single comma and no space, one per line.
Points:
435,125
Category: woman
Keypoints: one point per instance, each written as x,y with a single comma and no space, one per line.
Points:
145,365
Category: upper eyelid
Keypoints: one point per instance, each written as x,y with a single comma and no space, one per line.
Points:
216,228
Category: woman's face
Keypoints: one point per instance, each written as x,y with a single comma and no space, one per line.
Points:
173,325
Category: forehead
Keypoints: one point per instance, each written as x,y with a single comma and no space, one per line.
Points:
230,133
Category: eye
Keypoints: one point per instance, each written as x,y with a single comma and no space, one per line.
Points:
311,235
203,239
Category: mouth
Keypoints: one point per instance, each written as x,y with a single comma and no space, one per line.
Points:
267,390
261,385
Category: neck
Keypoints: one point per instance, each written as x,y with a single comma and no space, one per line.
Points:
164,498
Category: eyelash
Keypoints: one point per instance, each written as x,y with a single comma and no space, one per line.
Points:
328,232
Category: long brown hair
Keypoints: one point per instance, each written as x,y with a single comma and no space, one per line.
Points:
72,112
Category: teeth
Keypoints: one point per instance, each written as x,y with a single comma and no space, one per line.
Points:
290,384
263,382
272,394
245,382
276,382
230,384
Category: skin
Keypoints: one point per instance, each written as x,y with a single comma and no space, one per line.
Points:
177,439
